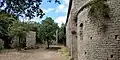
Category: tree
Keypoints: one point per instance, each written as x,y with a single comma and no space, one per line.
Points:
5,20
33,26
62,35
27,7
47,30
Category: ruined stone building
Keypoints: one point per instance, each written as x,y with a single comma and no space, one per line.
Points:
93,29
29,41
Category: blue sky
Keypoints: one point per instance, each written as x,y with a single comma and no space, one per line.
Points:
57,11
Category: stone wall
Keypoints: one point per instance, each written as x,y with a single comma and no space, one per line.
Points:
1,44
14,42
31,39
71,28
95,39
81,28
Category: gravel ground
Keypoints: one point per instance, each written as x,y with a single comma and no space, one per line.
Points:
35,54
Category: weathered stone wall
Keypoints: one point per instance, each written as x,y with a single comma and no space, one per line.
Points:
1,44
71,28
14,42
81,28
97,39
31,39
100,40
68,37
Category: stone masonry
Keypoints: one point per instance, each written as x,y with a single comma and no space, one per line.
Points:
88,40
14,42
31,39
1,44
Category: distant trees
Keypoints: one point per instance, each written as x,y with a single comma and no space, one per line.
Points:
62,34
47,30
11,27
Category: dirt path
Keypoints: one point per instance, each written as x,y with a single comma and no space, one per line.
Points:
38,54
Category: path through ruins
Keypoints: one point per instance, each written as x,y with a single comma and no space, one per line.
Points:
36,54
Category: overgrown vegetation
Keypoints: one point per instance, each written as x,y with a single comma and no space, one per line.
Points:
18,29
98,9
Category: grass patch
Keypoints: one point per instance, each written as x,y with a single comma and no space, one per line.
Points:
64,52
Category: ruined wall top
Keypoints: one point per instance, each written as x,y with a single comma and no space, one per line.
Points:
75,5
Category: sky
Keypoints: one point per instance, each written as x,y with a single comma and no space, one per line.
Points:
57,11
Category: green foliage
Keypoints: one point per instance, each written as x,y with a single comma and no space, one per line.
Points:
33,26
18,29
5,20
26,7
47,30
21,28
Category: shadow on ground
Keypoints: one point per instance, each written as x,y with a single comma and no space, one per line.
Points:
54,48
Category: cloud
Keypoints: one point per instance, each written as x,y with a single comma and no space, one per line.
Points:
60,20
48,10
66,2
62,7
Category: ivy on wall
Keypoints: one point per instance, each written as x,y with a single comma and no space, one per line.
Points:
98,9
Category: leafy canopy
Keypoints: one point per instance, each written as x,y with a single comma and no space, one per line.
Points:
18,29
47,30
5,20
30,8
